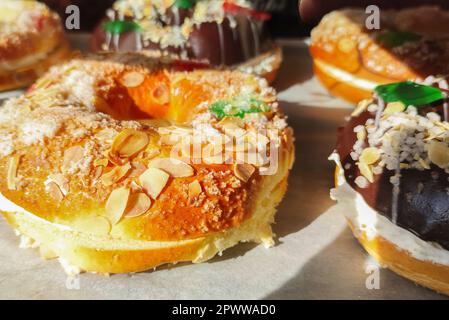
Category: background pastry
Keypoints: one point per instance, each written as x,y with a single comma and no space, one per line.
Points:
351,60
392,179
219,33
31,40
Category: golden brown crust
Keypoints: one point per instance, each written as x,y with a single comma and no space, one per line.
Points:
70,165
341,41
424,273
31,40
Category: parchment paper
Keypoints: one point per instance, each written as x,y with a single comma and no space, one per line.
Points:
316,256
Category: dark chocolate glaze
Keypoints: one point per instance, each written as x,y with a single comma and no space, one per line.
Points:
235,40
423,204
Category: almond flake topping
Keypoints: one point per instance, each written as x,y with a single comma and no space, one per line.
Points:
116,204
231,123
194,189
54,191
153,181
101,163
132,79
439,153
244,171
366,171
176,168
370,155
128,143
138,204
394,107
361,107
73,155
115,174
61,181
13,165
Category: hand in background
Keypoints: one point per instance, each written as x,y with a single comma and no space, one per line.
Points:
313,10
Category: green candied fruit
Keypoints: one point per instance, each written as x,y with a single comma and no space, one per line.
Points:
409,93
121,26
238,107
185,4
394,39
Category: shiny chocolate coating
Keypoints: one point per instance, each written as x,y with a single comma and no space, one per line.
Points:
232,41
423,202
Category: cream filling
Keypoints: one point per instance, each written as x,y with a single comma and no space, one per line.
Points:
29,60
344,76
367,220
88,240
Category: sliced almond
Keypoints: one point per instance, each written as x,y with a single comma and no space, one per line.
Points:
153,181
132,79
116,204
194,189
439,153
394,107
128,143
404,166
244,171
370,155
95,225
361,107
231,123
137,169
151,153
61,181
138,204
361,135
13,165
101,162
115,174
73,155
174,167
135,188
54,191
366,171
98,171
161,93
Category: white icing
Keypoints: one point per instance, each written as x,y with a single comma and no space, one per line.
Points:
36,131
367,220
346,76
6,145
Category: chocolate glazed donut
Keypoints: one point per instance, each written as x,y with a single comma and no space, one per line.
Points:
423,200
237,38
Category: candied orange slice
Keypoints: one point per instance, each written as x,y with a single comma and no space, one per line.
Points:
186,96
152,96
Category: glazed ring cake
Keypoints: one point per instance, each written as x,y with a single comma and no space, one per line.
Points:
393,179
31,40
120,163
220,33
351,60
